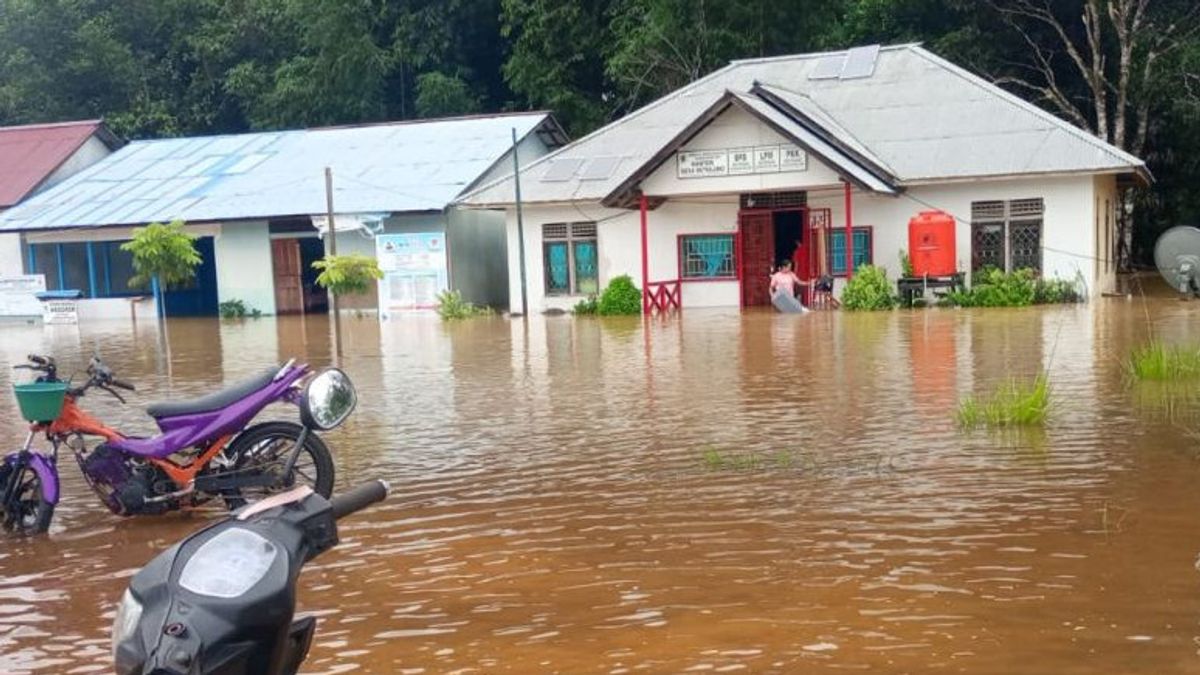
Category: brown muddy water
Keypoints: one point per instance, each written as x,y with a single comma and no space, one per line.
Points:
716,492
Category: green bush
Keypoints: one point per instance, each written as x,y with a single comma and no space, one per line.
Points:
994,288
347,274
620,297
586,307
451,306
1055,292
236,309
869,289
1012,404
906,269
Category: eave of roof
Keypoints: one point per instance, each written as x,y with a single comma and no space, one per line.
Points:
60,141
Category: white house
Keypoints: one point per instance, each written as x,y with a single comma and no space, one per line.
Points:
700,192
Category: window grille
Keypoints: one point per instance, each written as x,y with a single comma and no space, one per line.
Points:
1007,235
774,200
570,258
837,249
707,256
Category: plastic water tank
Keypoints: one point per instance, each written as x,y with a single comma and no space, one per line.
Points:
931,244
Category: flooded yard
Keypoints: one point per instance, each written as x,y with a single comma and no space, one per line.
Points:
719,491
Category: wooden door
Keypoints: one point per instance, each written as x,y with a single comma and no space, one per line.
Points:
757,250
289,292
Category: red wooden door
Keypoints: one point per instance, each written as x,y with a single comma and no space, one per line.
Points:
289,293
757,250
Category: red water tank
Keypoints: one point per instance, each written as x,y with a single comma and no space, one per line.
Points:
931,244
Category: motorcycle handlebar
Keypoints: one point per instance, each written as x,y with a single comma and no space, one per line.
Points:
40,360
359,498
119,384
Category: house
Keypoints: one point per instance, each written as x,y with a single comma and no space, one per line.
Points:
36,157
255,201
822,158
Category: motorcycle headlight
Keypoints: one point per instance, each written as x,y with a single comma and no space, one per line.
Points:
129,613
229,564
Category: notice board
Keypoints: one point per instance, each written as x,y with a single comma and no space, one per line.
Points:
414,271
18,295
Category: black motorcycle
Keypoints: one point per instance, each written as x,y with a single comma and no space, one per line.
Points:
222,601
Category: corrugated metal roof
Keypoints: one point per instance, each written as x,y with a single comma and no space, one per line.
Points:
30,154
917,115
407,166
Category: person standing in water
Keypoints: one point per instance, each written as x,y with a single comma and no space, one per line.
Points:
784,284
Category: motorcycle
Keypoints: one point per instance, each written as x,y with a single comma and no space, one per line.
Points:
223,600
205,450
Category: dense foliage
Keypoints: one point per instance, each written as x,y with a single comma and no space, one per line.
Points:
342,274
994,288
170,67
620,297
163,252
236,309
869,289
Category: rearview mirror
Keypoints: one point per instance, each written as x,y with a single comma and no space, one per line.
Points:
328,400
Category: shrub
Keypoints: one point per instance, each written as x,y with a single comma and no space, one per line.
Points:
1160,362
620,297
1012,404
236,309
1054,292
347,274
906,268
586,307
452,306
994,288
868,289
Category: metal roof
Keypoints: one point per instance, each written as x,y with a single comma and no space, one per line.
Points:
917,116
396,167
30,154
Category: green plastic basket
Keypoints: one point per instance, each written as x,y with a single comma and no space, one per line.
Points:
40,401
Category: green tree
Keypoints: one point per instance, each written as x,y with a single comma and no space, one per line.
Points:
440,95
163,252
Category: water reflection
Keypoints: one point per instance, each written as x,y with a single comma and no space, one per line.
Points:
558,506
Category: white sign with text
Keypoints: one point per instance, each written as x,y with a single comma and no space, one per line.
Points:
740,161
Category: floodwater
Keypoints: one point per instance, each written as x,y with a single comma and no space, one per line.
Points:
714,492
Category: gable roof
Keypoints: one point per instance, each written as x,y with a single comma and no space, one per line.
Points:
33,152
914,115
413,166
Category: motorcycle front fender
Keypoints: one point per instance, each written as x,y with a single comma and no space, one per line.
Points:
44,468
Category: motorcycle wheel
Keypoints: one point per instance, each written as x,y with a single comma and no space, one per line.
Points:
267,445
28,513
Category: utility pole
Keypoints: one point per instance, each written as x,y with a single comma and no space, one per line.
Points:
520,225
333,303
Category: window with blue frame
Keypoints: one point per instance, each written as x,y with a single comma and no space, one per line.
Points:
837,249
571,258
707,256
100,269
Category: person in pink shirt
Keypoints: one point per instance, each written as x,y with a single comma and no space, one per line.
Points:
784,284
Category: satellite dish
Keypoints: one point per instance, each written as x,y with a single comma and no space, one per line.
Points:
1177,254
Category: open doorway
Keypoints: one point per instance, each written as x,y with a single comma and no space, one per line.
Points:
296,289
789,240
316,299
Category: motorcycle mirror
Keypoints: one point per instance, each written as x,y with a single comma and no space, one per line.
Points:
328,399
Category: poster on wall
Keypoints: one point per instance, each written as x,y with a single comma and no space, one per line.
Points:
414,271
18,295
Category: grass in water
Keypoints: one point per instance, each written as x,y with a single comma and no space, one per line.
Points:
1155,361
1012,404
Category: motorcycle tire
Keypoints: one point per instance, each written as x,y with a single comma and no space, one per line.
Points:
270,442
29,513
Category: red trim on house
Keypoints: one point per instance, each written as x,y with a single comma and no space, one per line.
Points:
849,231
643,207
679,257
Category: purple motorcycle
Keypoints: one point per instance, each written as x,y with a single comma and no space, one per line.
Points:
205,450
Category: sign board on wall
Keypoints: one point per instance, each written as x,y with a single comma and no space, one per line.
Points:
759,159
18,295
414,271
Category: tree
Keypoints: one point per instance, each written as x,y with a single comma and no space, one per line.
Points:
163,256
441,95
1096,62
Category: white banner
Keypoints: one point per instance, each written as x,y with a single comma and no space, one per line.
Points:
17,295
759,159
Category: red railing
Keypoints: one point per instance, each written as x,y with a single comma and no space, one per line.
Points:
662,296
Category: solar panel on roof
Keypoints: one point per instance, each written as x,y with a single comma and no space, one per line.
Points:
860,62
562,170
828,68
600,168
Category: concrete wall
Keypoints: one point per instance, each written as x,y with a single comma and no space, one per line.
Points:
243,258
11,259
1068,234
736,129
478,265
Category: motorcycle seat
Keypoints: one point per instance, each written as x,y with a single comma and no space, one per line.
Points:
215,401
